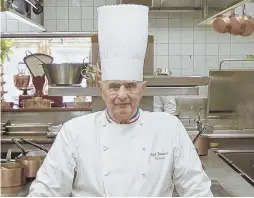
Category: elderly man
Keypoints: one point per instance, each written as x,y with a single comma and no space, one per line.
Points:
122,151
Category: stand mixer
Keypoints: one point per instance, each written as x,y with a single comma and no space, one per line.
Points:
34,64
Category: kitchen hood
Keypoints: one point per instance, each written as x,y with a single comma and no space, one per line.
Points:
209,8
26,11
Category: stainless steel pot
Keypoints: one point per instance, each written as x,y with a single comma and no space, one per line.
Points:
64,74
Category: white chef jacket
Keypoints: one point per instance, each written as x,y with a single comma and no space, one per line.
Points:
145,158
165,104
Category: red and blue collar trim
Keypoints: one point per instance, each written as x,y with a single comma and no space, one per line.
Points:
132,120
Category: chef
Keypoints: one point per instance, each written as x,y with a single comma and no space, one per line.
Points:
165,103
122,151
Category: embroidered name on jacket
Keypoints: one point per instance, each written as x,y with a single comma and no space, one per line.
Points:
159,155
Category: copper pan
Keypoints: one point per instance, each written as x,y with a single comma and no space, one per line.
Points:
237,24
221,24
249,23
202,144
32,163
12,174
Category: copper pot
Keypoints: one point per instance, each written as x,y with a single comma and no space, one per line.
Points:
12,174
249,23
237,24
21,80
37,102
32,163
221,24
202,145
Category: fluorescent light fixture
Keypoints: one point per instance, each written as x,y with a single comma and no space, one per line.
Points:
23,19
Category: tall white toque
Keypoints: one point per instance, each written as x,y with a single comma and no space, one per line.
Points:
122,36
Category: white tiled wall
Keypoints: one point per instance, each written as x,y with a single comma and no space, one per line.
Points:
9,24
180,45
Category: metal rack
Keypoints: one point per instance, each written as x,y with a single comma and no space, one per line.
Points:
149,91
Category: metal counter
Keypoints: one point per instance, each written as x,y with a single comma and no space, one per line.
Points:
217,170
230,180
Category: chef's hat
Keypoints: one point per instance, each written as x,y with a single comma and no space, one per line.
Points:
122,34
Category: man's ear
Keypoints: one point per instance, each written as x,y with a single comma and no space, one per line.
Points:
144,84
100,88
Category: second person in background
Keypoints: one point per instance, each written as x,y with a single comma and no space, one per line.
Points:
164,103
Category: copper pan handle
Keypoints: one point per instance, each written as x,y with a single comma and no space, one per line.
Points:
19,146
34,144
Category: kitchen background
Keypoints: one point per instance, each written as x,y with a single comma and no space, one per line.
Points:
180,44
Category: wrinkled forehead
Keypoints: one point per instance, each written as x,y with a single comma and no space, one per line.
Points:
122,82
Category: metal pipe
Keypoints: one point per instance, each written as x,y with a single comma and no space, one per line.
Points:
29,2
48,35
205,8
227,60
235,151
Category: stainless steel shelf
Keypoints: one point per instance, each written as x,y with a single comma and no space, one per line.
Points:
176,81
149,91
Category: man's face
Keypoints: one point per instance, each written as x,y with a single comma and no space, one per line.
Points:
122,97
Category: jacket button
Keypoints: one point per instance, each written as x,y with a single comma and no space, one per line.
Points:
143,174
141,123
143,149
105,148
106,174
104,125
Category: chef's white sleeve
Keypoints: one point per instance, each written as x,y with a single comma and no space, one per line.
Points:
55,177
188,175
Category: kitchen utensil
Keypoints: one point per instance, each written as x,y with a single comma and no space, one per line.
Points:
221,24
199,134
91,74
55,128
201,142
6,105
8,156
37,102
34,144
31,163
202,145
12,174
64,74
249,23
21,80
237,25
34,62
163,71
38,9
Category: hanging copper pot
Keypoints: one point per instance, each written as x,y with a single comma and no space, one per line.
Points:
249,23
237,25
221,24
